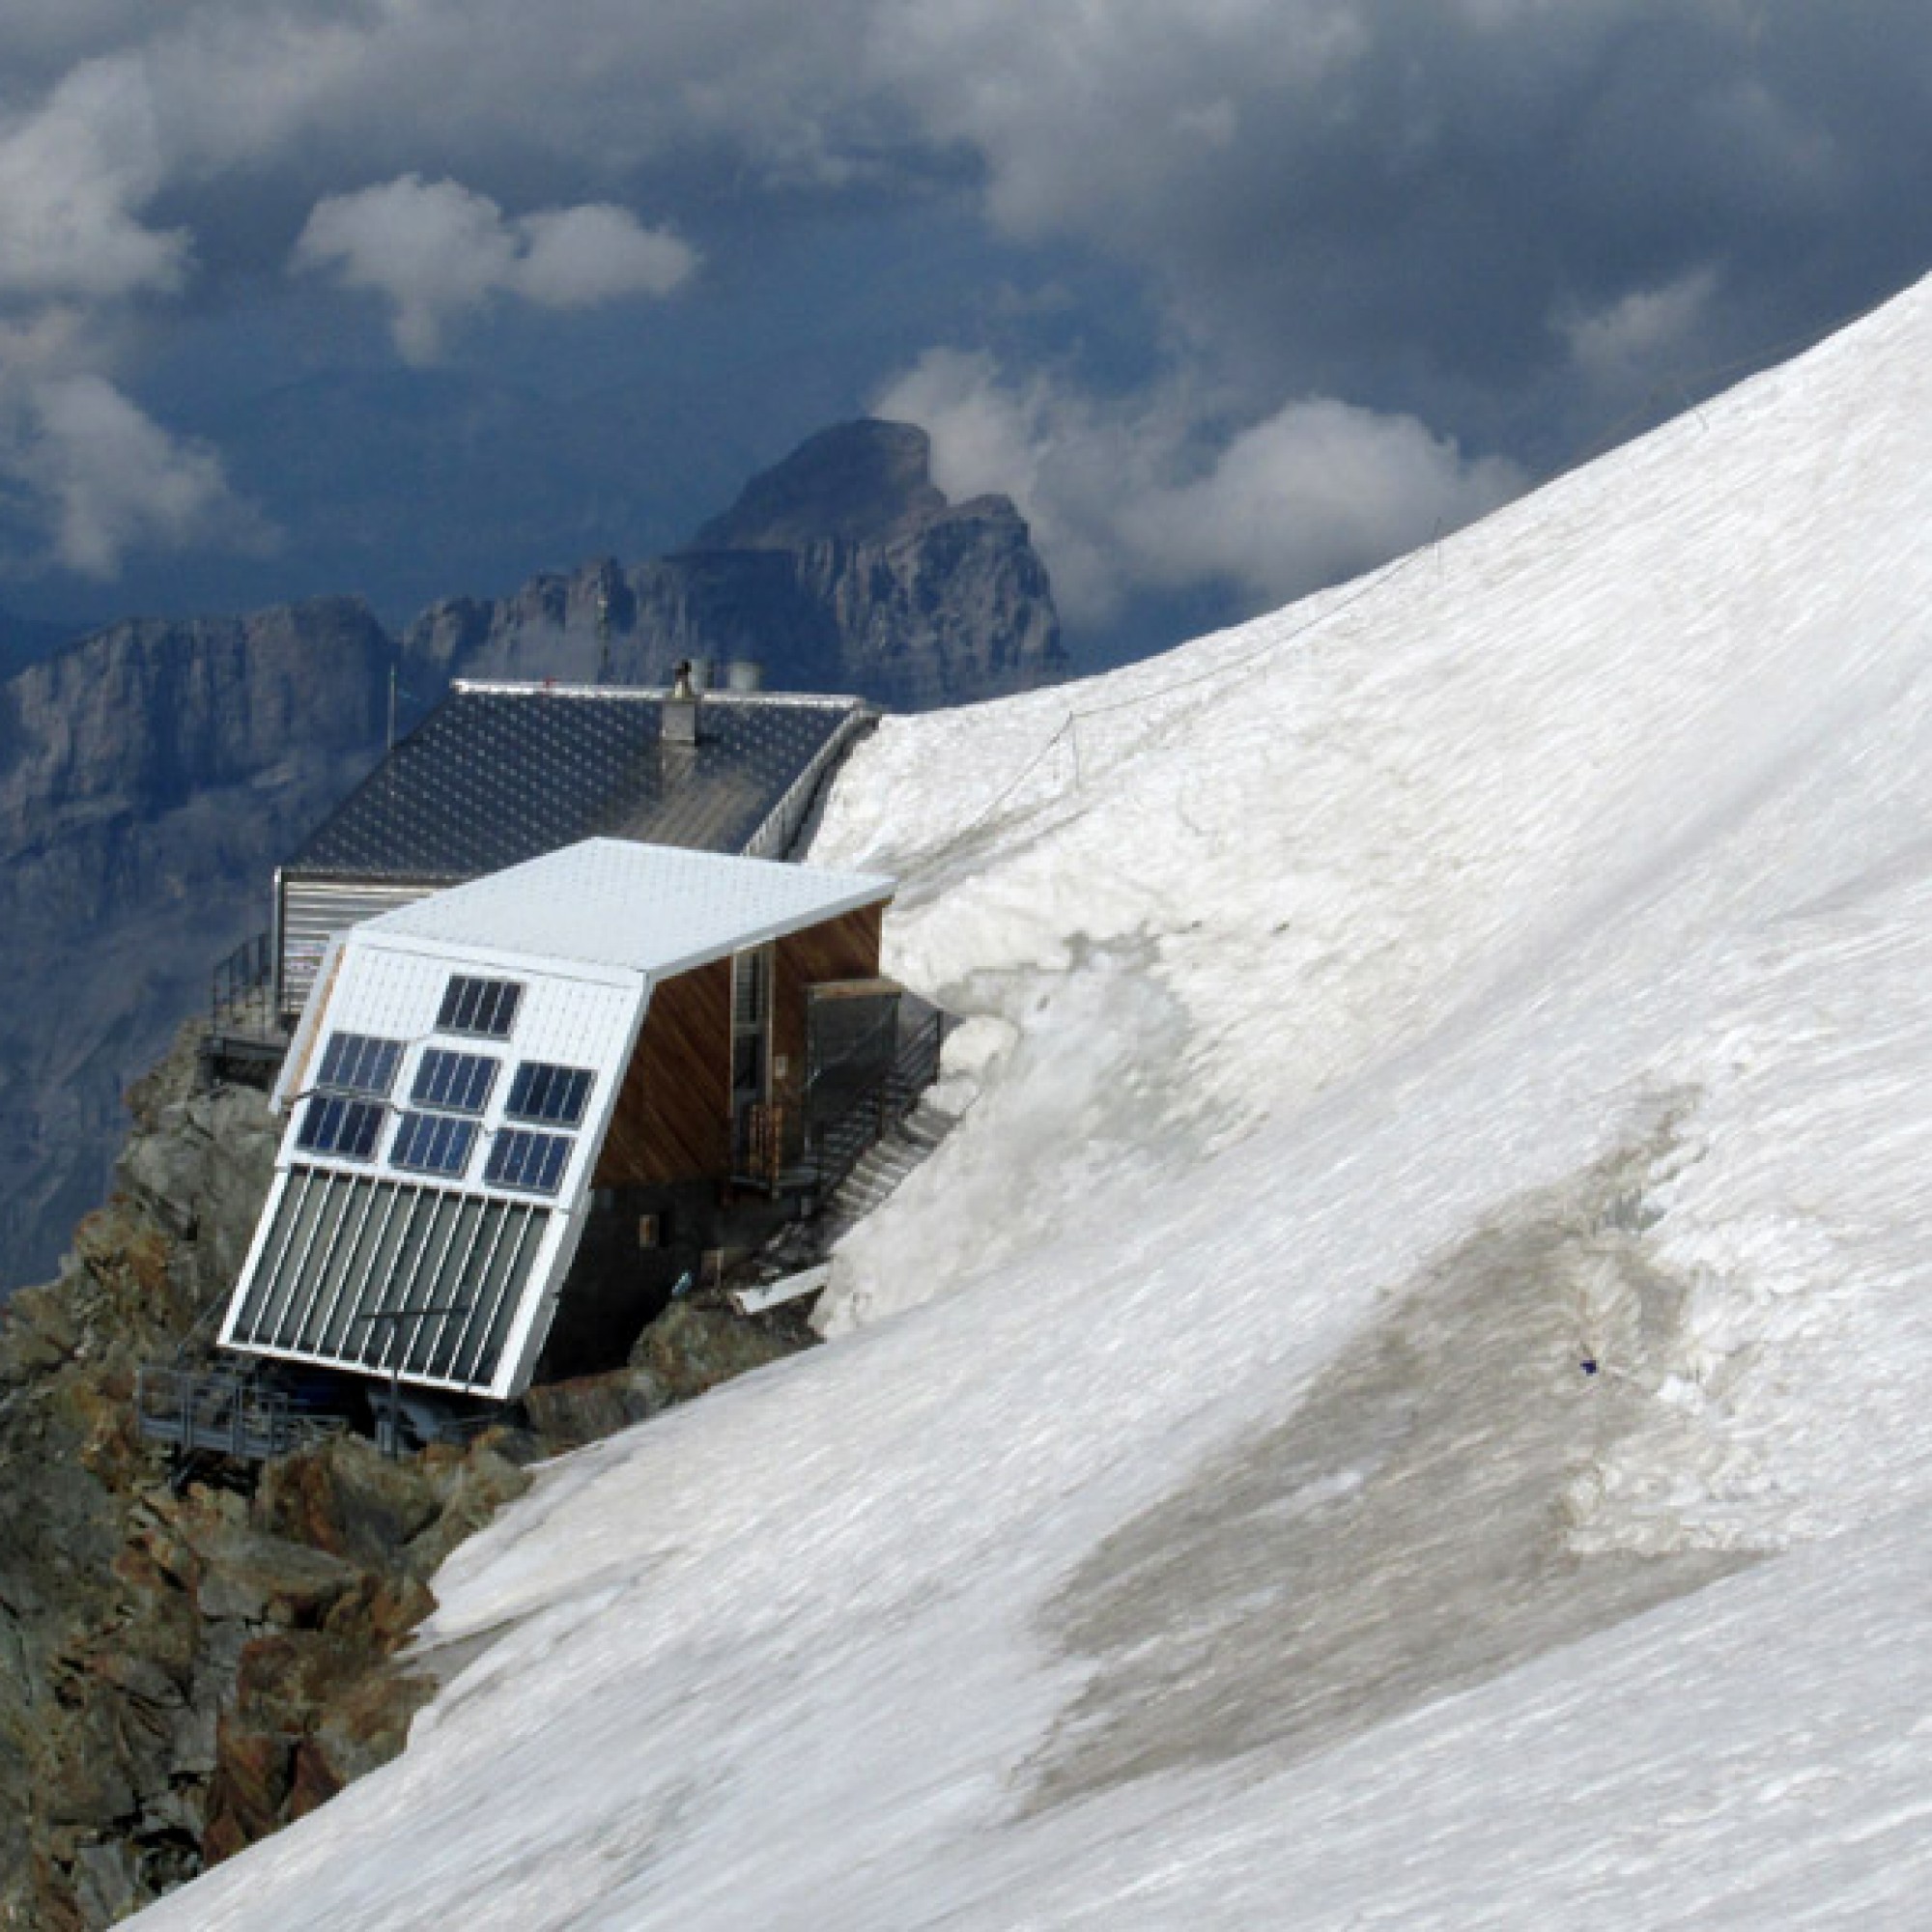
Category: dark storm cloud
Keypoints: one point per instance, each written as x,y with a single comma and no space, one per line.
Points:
1418,204
1522,226
1404,244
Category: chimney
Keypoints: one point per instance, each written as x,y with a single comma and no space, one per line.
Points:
680,708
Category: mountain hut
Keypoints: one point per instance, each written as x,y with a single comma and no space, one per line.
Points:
518,1107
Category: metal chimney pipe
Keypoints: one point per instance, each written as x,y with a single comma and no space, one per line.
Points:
680,708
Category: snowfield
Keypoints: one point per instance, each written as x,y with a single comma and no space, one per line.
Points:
1406,1400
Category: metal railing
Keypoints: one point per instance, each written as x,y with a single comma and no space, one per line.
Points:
223,1414
242,987
837,1146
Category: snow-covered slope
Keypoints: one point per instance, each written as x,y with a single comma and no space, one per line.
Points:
1408,1397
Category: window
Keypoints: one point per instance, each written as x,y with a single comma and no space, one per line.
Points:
533,1162
432,1144
486,1006
544,1093
751,987
334,1124
357,1062
457,1083
750,1048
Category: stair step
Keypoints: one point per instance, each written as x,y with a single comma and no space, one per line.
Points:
878,1173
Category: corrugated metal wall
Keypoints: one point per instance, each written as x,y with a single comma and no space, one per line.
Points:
310,913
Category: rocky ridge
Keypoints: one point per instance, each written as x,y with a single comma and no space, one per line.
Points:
842,568
184,1666
150,777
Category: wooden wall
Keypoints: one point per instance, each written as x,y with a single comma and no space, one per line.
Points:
674,1115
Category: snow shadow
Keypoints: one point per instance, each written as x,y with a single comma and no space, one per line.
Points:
1406,1532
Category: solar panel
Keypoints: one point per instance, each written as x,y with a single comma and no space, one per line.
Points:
432,1144
531,1162
362,1270
541,1092
359,1063
344,1128
457,1083
486,1006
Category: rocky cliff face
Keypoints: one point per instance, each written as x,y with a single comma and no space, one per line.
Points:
842,568
149,780
182,1671
187,1666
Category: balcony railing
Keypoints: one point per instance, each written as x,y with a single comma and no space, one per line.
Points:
837,1145
223,1414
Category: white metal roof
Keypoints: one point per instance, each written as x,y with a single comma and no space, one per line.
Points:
610,902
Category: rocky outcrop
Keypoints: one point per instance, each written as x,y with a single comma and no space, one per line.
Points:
187,1666
687,1351
856,482
842,568
182,1672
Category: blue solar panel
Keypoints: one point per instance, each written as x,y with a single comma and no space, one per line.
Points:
531,1162
358,1063
541,1092
432,1144
334,1124
486,1006
457,1083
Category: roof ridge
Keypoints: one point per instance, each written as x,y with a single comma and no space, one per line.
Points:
652,693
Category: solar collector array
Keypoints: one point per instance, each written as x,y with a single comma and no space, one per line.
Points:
384,1275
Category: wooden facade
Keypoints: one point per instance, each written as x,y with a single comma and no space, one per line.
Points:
674,1118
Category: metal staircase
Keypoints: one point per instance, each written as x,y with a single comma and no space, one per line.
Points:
878,1171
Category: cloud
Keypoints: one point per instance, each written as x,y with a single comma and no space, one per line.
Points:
1390,202
1495,218
437,251
73,178
111,481
1155,490
1624,348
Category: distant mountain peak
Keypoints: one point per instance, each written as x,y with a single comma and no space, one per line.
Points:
856,480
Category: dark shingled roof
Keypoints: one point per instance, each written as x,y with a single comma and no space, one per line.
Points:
499,774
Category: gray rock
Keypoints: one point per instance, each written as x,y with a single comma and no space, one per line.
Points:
150,777
267,1580
842,568
107,1877
180,1673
